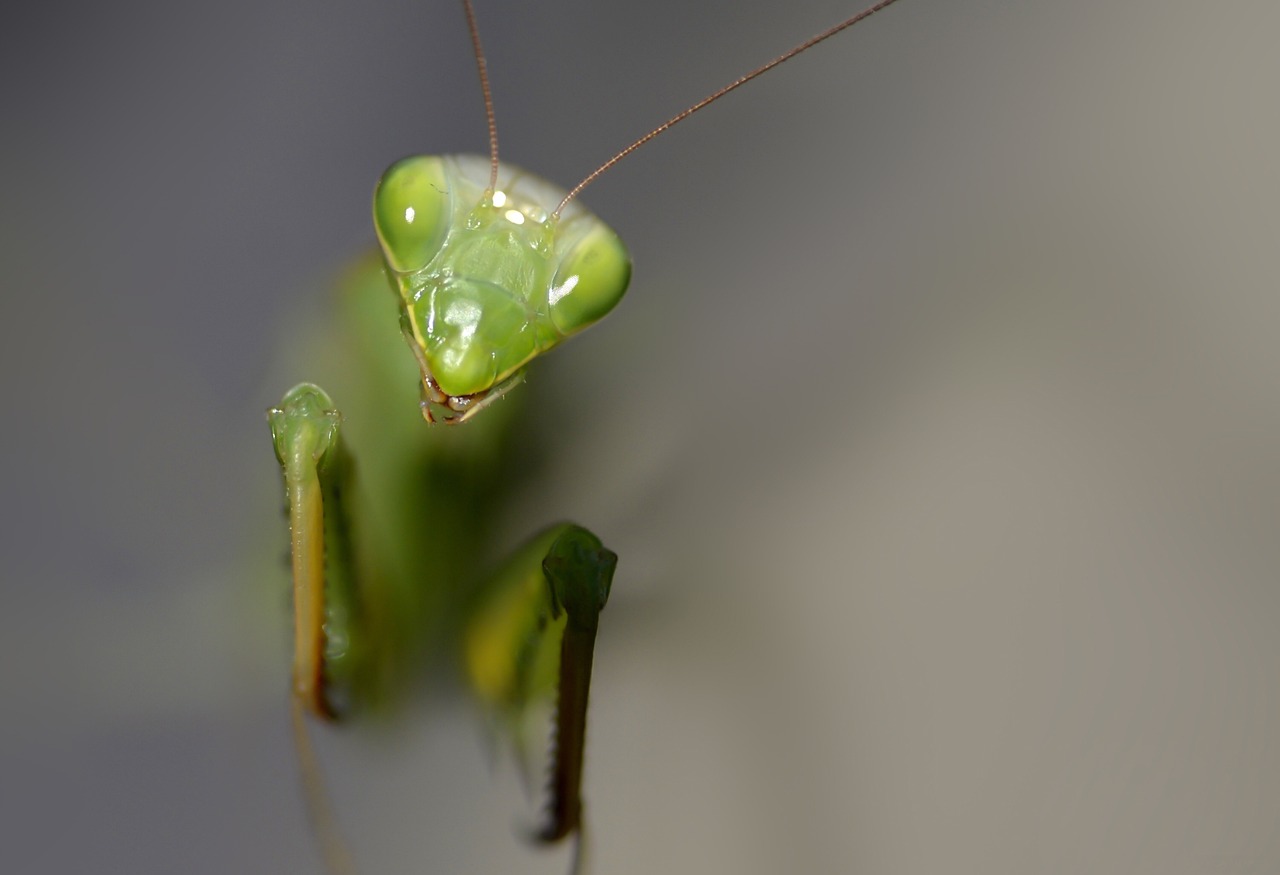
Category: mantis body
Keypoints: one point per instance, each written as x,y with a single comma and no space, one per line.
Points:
388,516
488,267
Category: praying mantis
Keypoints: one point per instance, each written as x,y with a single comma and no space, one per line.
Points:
489,268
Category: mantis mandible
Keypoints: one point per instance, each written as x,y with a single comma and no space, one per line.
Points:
490,267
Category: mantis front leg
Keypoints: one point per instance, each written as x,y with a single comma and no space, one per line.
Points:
305,429
534,638
534,634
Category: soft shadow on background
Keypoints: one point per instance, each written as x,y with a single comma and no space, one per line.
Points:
938,434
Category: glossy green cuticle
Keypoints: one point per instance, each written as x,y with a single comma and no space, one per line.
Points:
411,212
487,280
590,282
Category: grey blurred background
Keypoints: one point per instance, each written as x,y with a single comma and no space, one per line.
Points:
938,433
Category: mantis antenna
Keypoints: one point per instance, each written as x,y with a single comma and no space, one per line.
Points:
709,99
483,69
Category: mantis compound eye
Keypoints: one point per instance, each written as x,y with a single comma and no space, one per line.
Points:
590,281
411,212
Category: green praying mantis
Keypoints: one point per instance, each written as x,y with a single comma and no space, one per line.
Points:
488,267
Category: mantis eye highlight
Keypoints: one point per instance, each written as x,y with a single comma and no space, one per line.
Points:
590,282
411,212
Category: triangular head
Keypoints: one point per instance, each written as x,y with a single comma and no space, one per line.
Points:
489,278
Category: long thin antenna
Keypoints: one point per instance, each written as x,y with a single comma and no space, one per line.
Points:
488,96
712,98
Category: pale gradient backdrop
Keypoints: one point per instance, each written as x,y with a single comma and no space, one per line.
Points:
939,434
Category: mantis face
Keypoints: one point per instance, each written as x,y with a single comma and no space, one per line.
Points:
488,278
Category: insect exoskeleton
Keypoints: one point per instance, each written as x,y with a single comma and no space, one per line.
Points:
489,278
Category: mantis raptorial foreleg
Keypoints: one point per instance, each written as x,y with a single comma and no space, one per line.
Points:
531,638
544,612
305,430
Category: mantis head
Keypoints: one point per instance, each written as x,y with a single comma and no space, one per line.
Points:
489,277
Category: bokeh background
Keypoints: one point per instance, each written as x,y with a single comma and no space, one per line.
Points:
938,433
